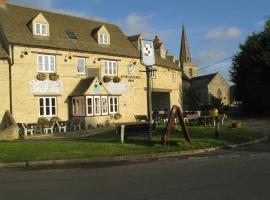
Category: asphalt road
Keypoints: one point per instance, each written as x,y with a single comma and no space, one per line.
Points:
232,174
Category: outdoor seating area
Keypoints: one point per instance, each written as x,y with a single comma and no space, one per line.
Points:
50,127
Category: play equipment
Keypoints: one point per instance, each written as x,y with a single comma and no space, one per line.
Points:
175,112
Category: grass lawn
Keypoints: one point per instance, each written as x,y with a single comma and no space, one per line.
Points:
108,144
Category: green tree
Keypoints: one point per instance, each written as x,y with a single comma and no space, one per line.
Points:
250,72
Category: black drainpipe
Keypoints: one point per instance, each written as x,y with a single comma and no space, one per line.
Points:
11,63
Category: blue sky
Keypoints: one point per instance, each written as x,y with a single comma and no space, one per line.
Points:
215,28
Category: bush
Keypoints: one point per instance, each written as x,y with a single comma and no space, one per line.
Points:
54,77
106,79
41,76
54,119
116,79
42,120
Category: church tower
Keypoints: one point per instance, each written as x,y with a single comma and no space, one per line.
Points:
190,69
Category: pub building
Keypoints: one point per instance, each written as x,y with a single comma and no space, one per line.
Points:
57,65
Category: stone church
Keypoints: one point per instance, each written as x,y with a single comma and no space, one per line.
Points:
206,87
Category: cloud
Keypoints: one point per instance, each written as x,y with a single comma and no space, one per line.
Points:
208,57
44,4
222,33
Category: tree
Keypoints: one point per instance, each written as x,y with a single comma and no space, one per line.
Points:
250,71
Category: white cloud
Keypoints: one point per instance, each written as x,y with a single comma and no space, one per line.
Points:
208,57
222,33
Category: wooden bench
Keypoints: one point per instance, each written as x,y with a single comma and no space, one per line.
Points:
132,129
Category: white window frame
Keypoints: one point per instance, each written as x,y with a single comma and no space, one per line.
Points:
80,106
92,105
104,38
41,66
84,65
110,67
43,29
95,105
163,53
113,111
106,106
173,77
45,114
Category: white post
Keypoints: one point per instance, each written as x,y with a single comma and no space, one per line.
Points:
122,134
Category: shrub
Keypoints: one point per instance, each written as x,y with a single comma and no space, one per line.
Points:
106,79
54,119
42,120
116,79
41,76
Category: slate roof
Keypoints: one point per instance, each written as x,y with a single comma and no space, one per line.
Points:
203,80
82,87
15,20
3,52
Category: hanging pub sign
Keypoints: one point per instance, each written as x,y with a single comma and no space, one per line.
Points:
46,87
147,53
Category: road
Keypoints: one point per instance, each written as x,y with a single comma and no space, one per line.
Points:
232,174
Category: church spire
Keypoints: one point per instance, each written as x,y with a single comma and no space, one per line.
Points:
184,50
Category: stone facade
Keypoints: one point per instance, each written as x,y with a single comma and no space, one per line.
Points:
4,91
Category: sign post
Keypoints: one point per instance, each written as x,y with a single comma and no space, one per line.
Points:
148,60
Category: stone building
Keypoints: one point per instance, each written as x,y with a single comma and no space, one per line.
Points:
57,65
205,87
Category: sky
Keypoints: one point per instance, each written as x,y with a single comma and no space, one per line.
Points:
215,28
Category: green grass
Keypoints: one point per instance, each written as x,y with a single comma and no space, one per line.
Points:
108,144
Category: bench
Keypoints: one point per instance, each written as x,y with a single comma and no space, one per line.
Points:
132,129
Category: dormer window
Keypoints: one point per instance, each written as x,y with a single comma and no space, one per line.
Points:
163,53
41,29
104,39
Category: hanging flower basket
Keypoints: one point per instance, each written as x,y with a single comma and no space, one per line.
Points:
53,77
106,79
116,79
117,116
41,76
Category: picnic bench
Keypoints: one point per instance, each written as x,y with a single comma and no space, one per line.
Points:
132,129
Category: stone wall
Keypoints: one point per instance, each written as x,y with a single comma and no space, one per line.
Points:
26,105
4,87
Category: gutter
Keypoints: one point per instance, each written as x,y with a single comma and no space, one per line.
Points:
11,63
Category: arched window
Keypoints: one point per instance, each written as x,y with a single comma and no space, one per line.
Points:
190,72
219,94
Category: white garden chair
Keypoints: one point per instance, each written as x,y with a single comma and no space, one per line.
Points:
49,128
61,126
27,129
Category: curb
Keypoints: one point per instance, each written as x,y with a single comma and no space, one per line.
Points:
116,160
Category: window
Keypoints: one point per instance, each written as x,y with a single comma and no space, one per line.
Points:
104,105
46,63
104,39
110,68
41,29
71,35
97,105
190,72
173,77
89,106
163,53
113,104
219,94
47,106
78,106
81,65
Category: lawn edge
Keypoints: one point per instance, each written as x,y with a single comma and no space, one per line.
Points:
115,160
